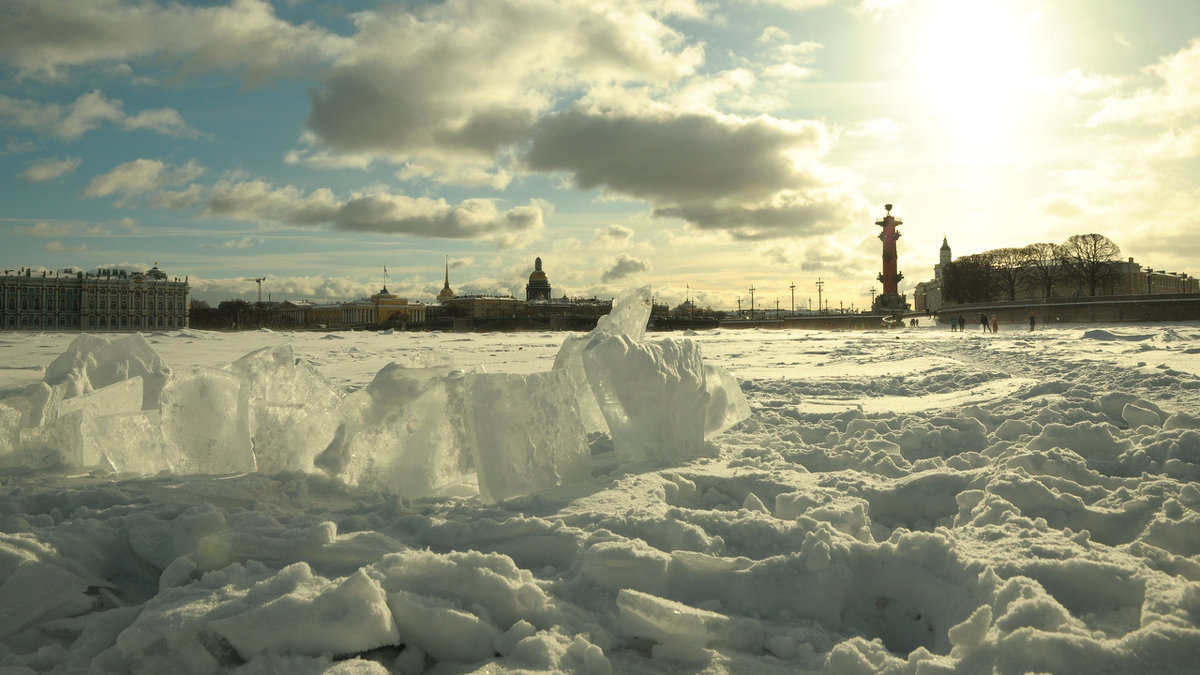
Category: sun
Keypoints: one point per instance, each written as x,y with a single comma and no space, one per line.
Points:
975,65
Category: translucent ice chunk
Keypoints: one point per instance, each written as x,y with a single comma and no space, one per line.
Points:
629,315
274,374
92,362
129,442
61,440
440,629
526,433
119,397
652,395
402,433
630,312
205,422
289,436
727,404
666,621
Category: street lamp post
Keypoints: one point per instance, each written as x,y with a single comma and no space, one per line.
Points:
820,287
793,289
751,302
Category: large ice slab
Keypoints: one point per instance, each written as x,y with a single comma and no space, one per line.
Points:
92,362
290,436
292,417
205,422
129,442
630,312
652,394
61,439
629,316
403,433
275,374
526,433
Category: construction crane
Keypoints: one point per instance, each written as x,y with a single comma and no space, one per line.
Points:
259,281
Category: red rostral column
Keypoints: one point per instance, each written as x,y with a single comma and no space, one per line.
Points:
889,277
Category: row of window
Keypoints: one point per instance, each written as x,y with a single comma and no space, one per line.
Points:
176,304
94,322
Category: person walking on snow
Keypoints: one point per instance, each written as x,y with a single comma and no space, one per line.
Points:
983,321
953,324
995,324
1032,320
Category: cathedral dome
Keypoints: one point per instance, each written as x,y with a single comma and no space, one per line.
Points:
538,287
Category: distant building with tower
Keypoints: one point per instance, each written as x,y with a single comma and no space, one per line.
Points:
929,296
538,287
890,299
446,294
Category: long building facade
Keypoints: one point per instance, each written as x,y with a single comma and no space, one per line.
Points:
102,300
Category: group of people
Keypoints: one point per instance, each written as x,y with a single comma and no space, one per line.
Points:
959,323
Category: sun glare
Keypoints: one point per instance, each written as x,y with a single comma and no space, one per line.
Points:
974,65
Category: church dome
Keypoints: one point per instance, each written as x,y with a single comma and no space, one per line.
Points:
539,284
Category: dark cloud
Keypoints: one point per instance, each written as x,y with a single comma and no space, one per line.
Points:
43,38
745,177
624,266
379,212
677,158
789,214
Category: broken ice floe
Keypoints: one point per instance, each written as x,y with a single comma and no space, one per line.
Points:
415,431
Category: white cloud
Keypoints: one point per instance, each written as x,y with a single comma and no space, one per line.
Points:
316,288
141,176
877,10
880,129
1175,97
162,120
243,243
795,5
71,121
1076,82
613,235
177,200
60,247
50,169
58,230
773,35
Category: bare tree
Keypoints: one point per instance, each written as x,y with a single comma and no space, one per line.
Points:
1008,266
1089,259
970,278
1044,263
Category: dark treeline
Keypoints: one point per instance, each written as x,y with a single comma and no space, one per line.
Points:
1085,264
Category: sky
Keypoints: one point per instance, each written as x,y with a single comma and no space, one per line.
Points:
703,148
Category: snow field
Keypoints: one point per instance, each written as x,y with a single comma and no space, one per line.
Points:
1010,503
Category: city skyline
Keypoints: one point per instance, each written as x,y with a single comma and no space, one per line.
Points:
702,148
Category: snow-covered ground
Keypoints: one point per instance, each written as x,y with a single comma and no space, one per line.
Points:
912,500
